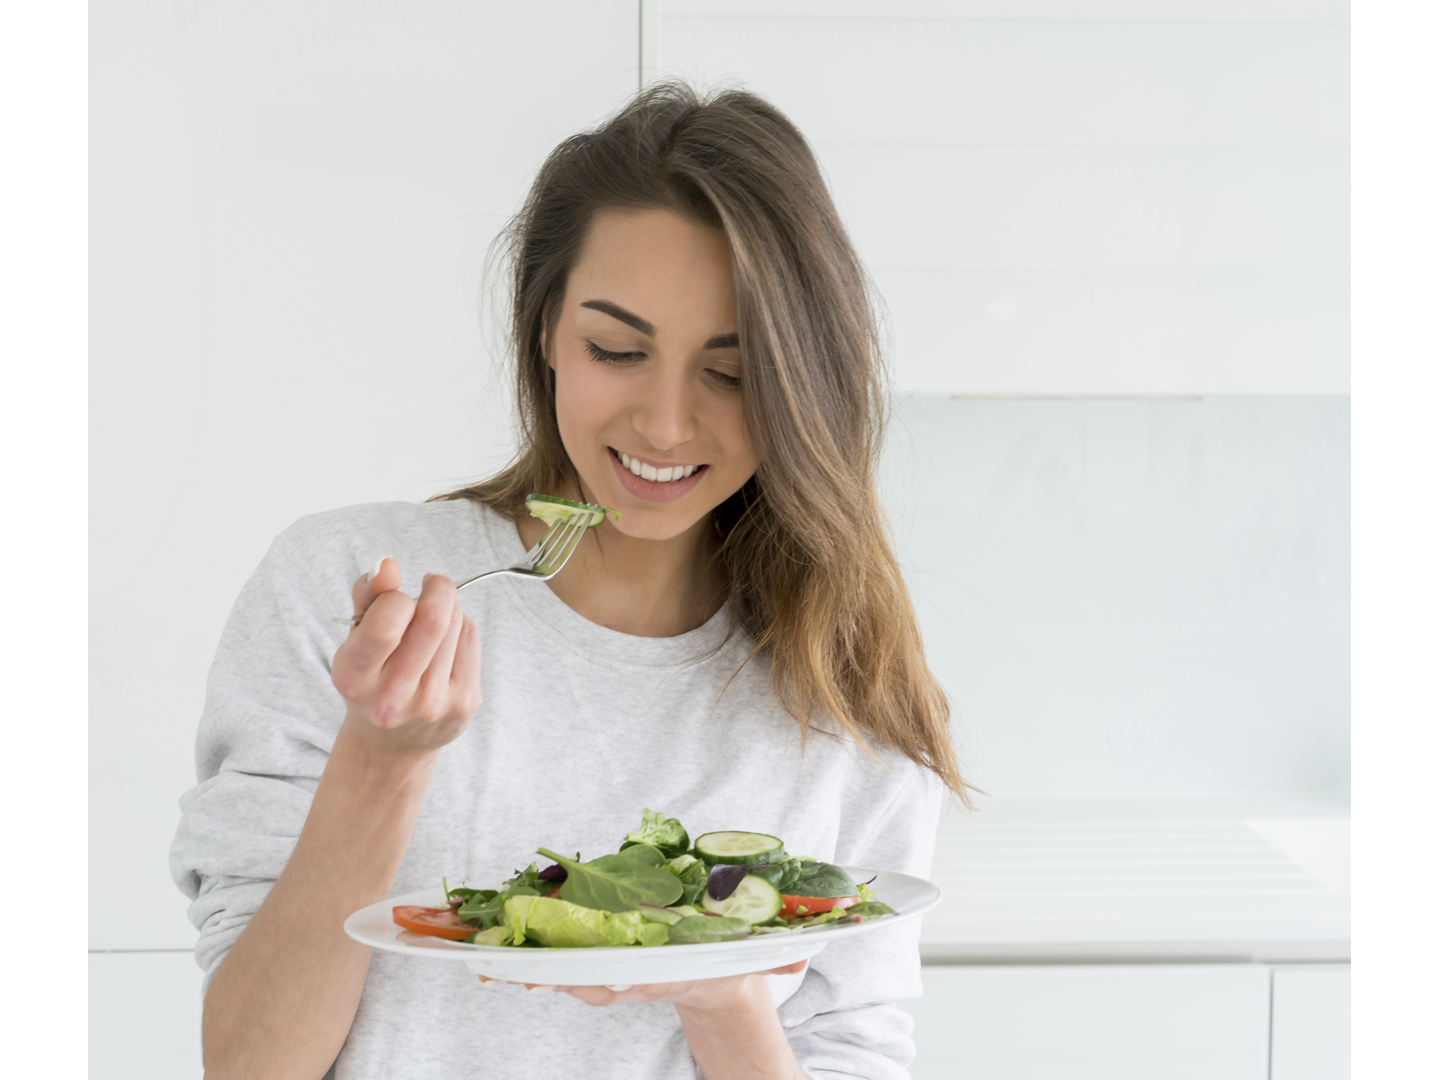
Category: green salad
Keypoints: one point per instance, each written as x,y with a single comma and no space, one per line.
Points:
657,889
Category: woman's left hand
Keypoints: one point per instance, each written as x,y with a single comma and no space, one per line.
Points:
697,994
730,1023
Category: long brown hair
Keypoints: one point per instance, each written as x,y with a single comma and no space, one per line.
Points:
804,548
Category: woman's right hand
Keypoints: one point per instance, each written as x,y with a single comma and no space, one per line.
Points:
410,671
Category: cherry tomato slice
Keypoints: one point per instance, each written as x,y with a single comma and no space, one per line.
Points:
814,905
433,921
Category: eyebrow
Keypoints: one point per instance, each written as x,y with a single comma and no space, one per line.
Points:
629,318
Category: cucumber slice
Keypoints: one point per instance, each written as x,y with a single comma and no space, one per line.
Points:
755,900
743,848
550,509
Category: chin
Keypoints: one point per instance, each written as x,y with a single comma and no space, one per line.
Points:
646,524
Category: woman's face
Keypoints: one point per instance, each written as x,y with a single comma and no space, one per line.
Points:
647,372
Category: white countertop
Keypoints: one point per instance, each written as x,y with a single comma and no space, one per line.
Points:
1260,877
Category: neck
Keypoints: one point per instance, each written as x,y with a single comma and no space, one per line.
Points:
648,588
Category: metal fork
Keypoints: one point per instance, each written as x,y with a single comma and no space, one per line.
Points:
542,562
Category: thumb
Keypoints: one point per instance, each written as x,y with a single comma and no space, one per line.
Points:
789,969
383,577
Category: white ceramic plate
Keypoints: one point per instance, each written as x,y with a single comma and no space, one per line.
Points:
909,896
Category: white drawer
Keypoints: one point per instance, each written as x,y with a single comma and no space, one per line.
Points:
1109,1022
144,1016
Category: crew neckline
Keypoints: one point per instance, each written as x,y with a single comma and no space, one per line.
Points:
560,622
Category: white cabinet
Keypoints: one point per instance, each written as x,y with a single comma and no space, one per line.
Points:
1310,1032
1111,1022
144,1016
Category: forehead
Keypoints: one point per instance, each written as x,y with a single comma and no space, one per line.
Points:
653,262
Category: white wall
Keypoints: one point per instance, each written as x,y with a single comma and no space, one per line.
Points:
1073,196
291,203
1133,596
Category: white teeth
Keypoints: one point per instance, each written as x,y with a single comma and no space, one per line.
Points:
651,473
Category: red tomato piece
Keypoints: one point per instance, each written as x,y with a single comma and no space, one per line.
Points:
433,921
814,905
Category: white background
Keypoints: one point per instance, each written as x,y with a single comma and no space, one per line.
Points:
1092,201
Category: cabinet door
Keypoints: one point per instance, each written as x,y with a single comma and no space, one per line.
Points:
1109,1022
1310,1036
144,1016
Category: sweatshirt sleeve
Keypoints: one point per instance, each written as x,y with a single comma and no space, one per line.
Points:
269,722
842,1021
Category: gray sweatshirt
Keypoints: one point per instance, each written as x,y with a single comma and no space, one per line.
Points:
580,728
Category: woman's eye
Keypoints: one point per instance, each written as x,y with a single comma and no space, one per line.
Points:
729,382
605,356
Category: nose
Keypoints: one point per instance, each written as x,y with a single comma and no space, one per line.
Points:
665,414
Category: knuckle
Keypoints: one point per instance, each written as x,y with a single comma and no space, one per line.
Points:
388,710
428,708
344,681
430,622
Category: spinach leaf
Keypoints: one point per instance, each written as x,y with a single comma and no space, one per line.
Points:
648,854
699,929
618,882
824,881
783,873
668,916
656,829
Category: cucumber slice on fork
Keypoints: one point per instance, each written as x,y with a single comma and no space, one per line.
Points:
553,510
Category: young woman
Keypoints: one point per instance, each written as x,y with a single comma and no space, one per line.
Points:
696,350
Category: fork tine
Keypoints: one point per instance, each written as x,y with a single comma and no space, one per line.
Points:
547,542
561,553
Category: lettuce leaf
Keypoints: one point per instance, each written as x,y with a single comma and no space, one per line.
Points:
496,935
560,924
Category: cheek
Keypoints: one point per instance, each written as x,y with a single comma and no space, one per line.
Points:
584,399
731,426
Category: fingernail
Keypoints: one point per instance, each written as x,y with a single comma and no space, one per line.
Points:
537,989
618,987
376,568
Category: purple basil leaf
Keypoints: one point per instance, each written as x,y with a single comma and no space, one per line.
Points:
725,879
553,872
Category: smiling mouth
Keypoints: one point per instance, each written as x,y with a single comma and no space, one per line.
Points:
655,474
